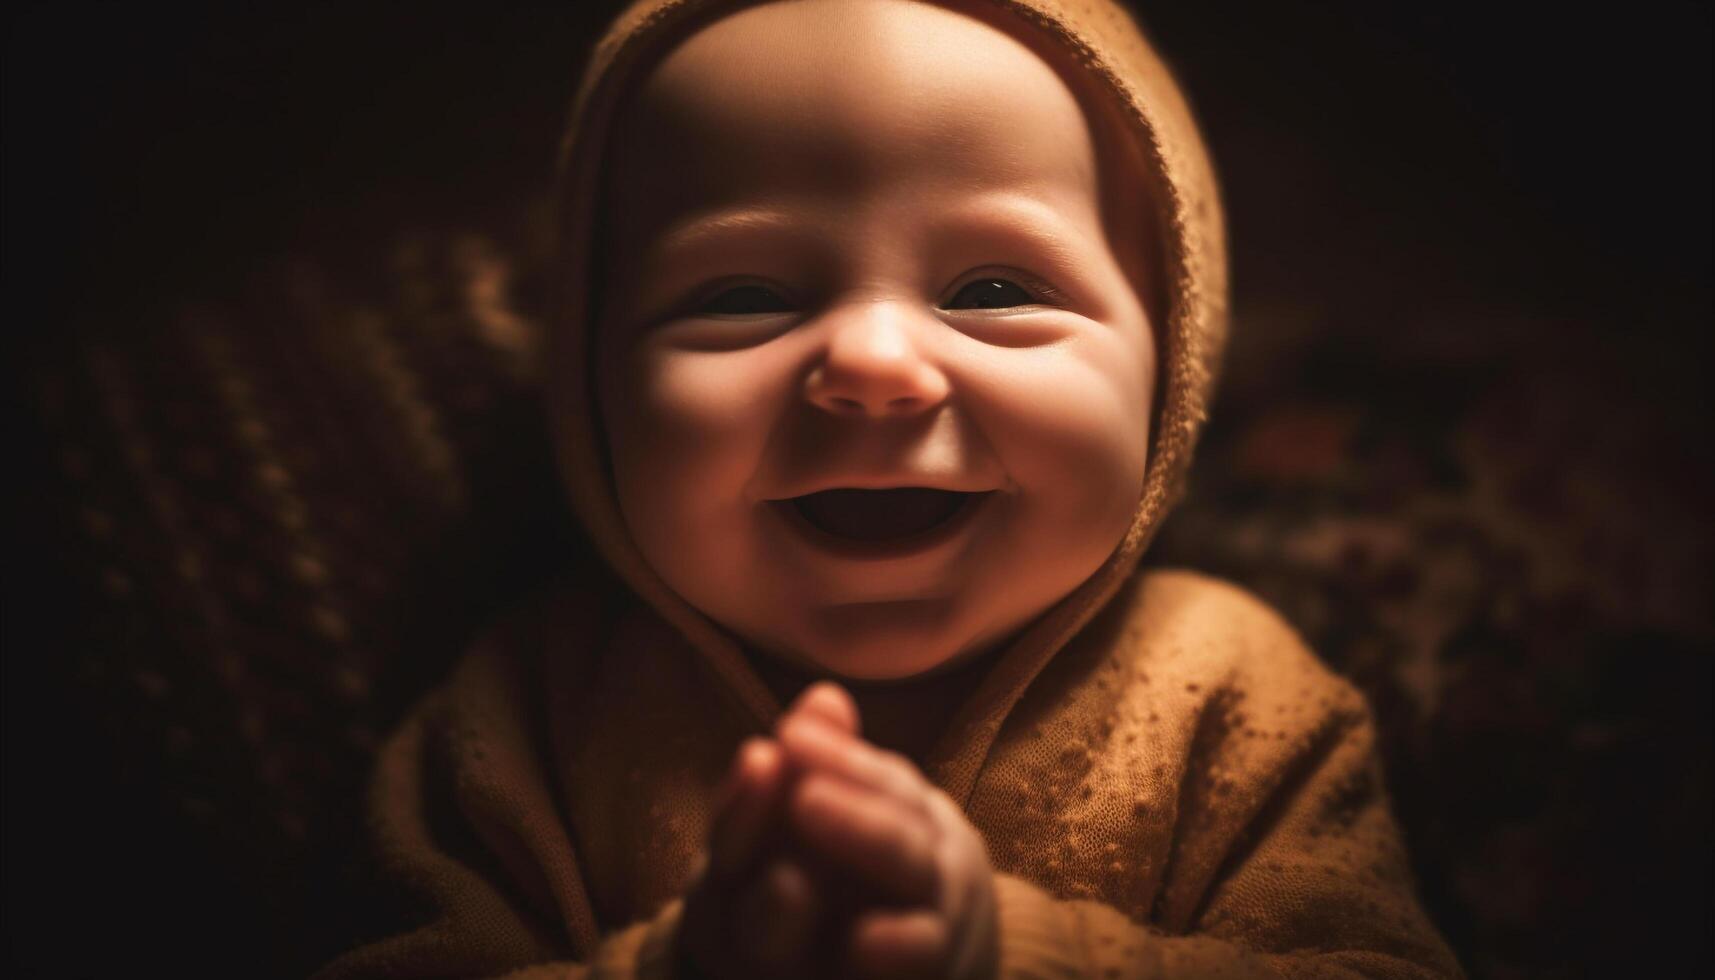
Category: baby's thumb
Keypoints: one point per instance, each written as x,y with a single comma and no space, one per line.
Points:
831,703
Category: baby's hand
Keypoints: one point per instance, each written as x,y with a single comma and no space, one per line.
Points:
749,914
864,826
877,827
756,910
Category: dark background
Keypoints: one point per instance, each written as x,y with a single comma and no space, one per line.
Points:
1432,211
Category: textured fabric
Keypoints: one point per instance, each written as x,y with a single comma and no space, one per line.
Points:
1169,784
1185,791
273,512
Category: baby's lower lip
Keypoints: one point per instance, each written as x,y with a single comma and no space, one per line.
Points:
876,524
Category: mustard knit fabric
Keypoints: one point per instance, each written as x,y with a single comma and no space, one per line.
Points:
1169,783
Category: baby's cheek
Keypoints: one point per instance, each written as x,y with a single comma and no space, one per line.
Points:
1072,426
697,418
696,423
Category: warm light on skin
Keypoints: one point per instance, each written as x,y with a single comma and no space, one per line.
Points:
864,159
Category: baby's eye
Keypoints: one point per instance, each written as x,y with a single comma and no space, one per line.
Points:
989,294
745,300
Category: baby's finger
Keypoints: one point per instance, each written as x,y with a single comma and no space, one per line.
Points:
867,835
885,945
776,918
829,702
753,788
812,746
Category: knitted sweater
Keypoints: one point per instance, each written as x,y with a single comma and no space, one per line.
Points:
1184,791
1168,783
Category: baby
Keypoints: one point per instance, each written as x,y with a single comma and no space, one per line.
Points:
886,329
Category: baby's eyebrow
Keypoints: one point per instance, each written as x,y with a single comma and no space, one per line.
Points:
712,229
1024,215
1034,225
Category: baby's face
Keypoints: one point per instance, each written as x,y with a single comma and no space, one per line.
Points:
875,385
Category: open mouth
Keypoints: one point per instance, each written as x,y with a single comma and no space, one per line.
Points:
896,517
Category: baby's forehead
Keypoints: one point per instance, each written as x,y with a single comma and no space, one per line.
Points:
833,92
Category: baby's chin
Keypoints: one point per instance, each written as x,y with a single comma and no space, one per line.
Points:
900,640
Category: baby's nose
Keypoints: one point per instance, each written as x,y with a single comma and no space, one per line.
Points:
871,365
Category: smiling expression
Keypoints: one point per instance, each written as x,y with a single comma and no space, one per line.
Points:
859,245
